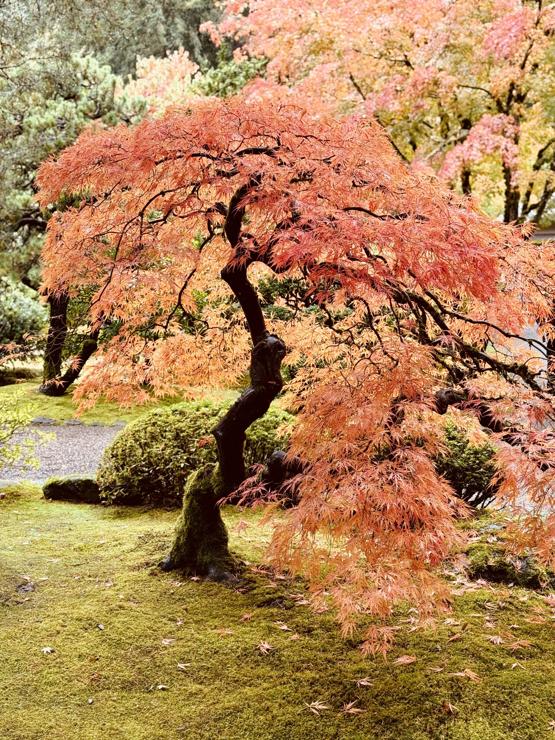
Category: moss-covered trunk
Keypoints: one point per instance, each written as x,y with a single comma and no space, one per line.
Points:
200,544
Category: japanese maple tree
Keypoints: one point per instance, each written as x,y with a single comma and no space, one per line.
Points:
420,302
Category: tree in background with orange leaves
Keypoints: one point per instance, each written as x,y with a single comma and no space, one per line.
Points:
462,87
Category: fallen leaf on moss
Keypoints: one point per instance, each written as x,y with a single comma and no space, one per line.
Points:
537,619
283,626
350,708
364,681
495,639
316,707
519,645
204,441
405,660
467,673
265,647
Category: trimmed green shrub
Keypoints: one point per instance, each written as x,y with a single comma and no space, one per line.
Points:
150,460
469,468
79,490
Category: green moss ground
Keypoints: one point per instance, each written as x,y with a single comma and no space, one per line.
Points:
79,579
104,412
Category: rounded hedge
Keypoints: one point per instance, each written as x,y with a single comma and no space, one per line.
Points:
149,461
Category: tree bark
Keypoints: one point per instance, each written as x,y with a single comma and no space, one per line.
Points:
57,332
466,184
252,404
206,554
265,372
58,385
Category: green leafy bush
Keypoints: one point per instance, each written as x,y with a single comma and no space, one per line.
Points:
149,461
21,312
468,467
14,417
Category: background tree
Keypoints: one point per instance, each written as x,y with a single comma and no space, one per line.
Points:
114,32
58,73
430,293
463,87
36,122
52,91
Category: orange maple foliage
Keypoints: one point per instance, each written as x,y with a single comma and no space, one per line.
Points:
422,291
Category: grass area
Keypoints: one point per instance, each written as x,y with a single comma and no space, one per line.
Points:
104,412
133,653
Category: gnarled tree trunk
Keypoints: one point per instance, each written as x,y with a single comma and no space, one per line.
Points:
200,544
205,555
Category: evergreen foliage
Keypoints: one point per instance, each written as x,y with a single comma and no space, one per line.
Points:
469,468
21,313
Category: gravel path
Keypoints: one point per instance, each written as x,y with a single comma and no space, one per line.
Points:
76,449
